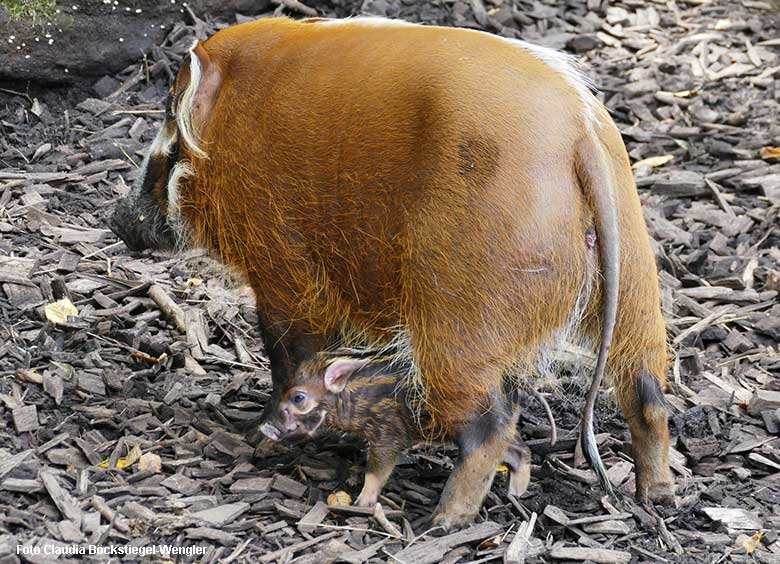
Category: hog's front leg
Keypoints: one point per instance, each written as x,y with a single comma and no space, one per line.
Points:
518,458
381,461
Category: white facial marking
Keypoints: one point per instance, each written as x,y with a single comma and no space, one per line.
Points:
162,144
322,418
181,170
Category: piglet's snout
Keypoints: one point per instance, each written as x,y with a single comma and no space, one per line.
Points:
290,422
285,424
270,431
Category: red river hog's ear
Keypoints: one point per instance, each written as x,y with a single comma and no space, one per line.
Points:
339,372
197,85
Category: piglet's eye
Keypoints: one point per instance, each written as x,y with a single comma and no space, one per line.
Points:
298,398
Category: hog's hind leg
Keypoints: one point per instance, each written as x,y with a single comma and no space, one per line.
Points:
645,412
482,441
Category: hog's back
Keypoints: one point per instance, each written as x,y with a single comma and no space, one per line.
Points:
394,176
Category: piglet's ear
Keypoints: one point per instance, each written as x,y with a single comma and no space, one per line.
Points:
339,372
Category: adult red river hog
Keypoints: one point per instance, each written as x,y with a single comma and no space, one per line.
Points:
457,198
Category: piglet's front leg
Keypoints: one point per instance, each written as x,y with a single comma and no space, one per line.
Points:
381,461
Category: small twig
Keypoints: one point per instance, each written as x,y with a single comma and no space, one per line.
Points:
104,249
15,93
237,552
168,306
109,514
136,112
356,529
297,6
421,535
719,198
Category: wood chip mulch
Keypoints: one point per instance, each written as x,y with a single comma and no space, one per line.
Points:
132,422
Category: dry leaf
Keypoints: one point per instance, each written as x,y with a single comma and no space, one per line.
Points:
59,311
491,542
27,375
653,162
194,282
768,153
150,461
340,498
686,94
750,544
132,457
723,24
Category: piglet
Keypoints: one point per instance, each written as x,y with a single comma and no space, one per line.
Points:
364,396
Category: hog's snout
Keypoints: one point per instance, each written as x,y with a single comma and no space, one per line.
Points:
138,222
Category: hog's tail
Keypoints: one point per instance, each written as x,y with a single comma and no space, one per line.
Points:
594,171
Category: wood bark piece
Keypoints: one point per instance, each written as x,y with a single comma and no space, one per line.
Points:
432,551
251,485
222,514
763,400
518,550
597,555
313,517
734,519
209,534
557,515
363,511
13,461
68,506
611,527
288,486
278,554
25,418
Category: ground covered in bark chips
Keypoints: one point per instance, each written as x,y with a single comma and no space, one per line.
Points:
133,421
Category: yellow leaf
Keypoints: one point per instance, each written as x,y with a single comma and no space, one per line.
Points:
502,469
59,311
768,153
131,458
653,162
339,498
